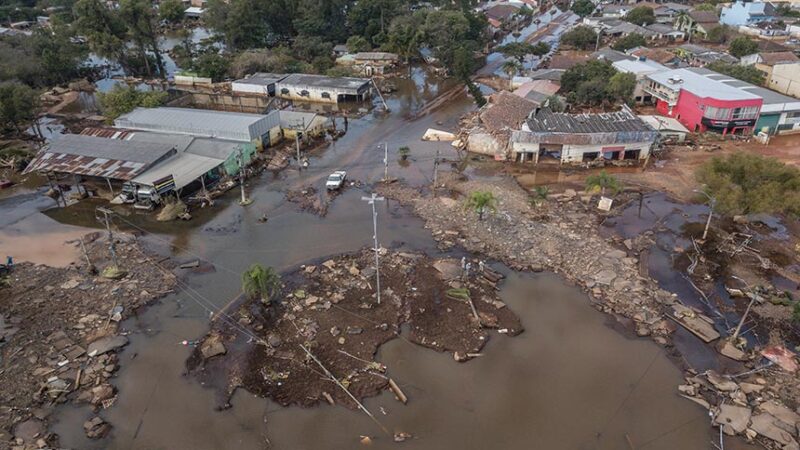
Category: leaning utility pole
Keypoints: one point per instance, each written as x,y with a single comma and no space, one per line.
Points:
297,144
111,247
240,158
371,201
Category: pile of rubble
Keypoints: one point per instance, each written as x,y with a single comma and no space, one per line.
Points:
330,312
745,406
60,333
560,235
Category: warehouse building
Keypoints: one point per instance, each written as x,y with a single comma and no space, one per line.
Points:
582,138
319,88
99,158
262,130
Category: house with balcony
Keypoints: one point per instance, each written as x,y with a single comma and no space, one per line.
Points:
703,103
746,13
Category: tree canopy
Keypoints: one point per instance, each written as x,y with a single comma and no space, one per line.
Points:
124,99
18,103
742,46
630,41
583,8
641,15
581,37
595,82
745,183
745,73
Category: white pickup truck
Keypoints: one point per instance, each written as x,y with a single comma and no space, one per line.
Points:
335,180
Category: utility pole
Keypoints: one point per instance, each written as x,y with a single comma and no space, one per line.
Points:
111,247
385,162
297,144
371,200
244,201
711,202
436,166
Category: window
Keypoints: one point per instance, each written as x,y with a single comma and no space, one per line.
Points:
326,95
285,91
748,112
304,93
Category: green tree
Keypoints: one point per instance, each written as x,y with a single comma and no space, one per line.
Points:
358,43
481,202
105,33
745,73
583,8
555,104
511,68
641,15
581,37
630,41
519,50
476,94
463,64
322,18
746,183
405,36
719,34
261,282
590,70
602,181
18,104
705,7
212,65
139,18
171,11
244,24
124,99
620,86
742,46
370,19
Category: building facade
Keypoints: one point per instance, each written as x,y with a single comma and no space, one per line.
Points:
703,104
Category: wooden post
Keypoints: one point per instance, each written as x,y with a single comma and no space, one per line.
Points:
110,189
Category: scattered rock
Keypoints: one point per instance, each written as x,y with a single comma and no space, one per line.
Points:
106,344
733,419
212,346
96,427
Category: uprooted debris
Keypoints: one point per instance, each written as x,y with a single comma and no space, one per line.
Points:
330,309
60,333
560,235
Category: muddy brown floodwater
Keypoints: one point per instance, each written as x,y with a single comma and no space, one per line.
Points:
570,381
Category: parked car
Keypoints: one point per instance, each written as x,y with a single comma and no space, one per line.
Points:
335,180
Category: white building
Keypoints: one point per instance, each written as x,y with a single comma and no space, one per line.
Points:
319,88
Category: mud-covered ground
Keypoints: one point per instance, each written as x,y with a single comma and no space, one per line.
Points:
561,234
59,332
331,310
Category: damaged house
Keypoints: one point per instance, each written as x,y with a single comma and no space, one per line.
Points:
495,122
582,138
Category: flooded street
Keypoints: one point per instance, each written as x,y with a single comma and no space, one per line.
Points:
571,381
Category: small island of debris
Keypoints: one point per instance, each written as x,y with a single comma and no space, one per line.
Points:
330,311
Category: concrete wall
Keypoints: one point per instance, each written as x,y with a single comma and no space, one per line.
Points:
222,102
255,89
785,79
485,144
574,153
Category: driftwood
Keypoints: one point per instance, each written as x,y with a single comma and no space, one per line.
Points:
397,391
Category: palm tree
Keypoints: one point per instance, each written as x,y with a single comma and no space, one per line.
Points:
603,181
511,68
262,282
480,201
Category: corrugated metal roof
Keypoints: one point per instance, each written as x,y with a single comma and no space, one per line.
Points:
261,79
545,120
108,133
184,168
96,156
296,119
198,122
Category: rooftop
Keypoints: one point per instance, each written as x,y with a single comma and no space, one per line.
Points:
704,16
664,123
261,79
296,119
771,59
505,111
98,156
501,12
611,55
196,122
638,67
770,97
546,121
376,56
700,85
321,81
